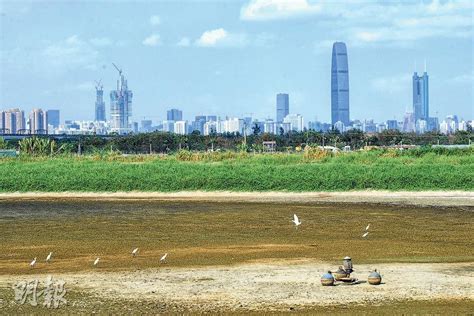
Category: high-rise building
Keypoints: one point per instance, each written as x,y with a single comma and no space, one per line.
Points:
433,124
121,106
339,84
168,126
13,121
296,122
409,122
174,115
212,118
392,124
38,122
420,97
99,102
2,122
146,125
181,127
198,124
282,106
53,118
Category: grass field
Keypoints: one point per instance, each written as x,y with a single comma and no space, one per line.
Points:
379,170
197,234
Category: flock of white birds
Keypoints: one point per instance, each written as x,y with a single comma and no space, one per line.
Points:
96,261
295,220
297,223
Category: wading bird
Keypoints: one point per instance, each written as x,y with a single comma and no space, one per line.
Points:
296,220
367,228
134,252
32,264
48,258
96,261
163,259
365,234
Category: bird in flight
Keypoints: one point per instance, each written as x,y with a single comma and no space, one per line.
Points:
367,228
96,261
365,234
135,252
163,259
48,258
32,264
296,220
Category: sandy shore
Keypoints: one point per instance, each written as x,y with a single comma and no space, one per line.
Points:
273,285
427,198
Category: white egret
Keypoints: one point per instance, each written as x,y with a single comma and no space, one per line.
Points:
163,259
96,261
296,220
32,264
134,252
365,234
367,228
48,258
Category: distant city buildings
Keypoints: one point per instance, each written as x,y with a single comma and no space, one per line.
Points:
180,127
296,122
174,115
339,85
38,122
409,122
282,106
53,118
12,121
99,102
121,106
146,126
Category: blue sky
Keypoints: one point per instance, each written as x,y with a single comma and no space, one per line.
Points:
233,57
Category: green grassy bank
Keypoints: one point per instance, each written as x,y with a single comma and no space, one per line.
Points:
378,170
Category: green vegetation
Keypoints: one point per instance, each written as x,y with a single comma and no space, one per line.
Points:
313,170
160,142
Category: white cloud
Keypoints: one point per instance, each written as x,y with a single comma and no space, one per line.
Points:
72,52
261,10
211,38
155,20
184,42
221,38
152,40
362,22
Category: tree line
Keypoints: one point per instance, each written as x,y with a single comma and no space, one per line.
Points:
162,142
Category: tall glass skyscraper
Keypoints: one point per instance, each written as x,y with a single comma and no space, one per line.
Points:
283,106
99,103
420,97
53,118
174,115
121,107
339,84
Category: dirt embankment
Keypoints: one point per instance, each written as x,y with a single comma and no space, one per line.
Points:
423,198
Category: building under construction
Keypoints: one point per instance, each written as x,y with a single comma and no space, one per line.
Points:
120,106
99,102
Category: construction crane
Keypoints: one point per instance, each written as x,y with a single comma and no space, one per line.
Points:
119,70
99,85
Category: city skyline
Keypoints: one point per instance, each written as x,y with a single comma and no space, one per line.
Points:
234,62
